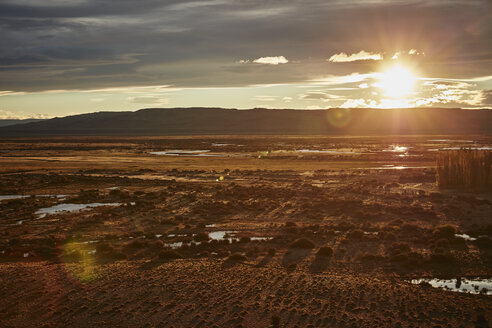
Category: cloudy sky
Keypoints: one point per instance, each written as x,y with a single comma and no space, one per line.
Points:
61,57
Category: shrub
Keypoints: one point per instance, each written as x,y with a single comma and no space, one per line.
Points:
292,267
158,244
484,242
371,257
302,243
443,243
46,252
275,321
169,255
104,248
167,222
445,231
201,236
415,258
399,248
73,256
440,258
355,234
399,258
244,240
325,251
138,243
390,236
237,257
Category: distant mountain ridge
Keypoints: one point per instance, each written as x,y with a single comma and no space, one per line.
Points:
210,121
7,122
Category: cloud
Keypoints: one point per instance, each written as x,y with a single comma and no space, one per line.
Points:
361,55
359,103
7,115
318,95
487,97
148,100
271,60
265,98
411,52
265,60
93,44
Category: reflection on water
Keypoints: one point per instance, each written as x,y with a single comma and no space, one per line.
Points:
196,153
465,236
221,235
472,286
448,140
261,238
458,148
60,208
9,197
334,152
396,149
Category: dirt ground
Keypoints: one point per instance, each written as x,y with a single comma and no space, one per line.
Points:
239,231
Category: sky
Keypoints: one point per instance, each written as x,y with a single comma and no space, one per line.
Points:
65,57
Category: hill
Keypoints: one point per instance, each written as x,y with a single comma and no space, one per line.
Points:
7,122
203,121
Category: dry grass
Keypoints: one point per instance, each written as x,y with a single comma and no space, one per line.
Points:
464,168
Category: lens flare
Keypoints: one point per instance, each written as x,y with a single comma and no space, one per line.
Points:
79,259
339,117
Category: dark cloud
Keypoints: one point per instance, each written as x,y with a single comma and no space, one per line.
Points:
487,97
102,43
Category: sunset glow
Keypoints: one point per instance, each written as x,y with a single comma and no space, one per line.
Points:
397,82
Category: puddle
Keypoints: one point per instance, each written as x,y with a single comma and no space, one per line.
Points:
410,155
8,197
221,235
60,208
448,140
230,235
472,286
174,245
261,238
87,242
158,235
210,225
178,152
178,244
195,153
333,152
392,167
26,254
465,236
459,148
396,149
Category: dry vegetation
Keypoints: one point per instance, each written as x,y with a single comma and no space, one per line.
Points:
464,168
271,238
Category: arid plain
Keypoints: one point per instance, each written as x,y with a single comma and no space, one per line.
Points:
240,231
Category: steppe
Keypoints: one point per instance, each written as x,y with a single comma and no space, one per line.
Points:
240,231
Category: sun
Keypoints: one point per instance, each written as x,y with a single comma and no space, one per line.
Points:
397,82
